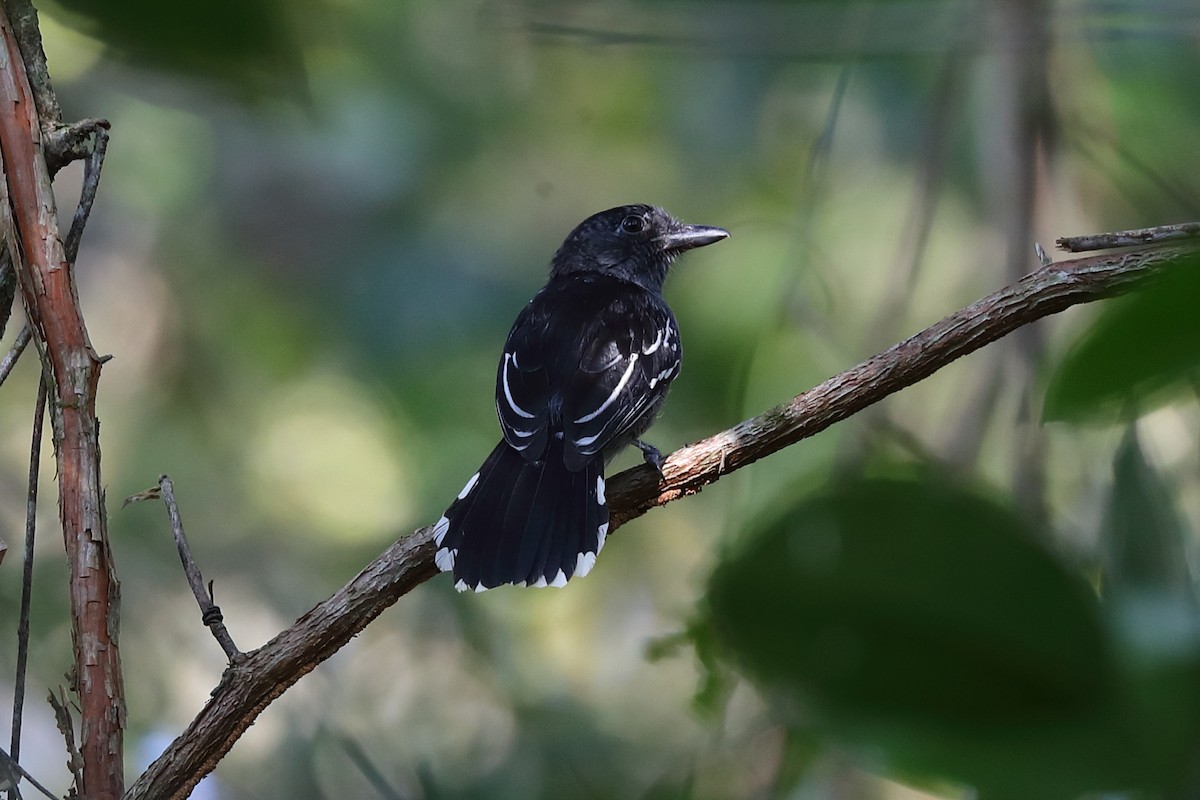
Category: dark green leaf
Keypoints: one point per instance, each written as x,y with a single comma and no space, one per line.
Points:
922,622
1143,351
245,43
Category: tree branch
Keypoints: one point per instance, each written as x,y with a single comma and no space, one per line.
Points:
94,162
24,20
210,613
47,284
63,143
10,358
1133,238
247,688
9,765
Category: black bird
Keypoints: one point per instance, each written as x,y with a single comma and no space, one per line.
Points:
584,372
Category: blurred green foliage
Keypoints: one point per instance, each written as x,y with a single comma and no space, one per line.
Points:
916,620
1143,351
316,223
246,44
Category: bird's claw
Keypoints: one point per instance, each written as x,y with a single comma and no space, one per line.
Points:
652,455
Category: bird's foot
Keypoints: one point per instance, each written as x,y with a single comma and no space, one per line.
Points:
649,452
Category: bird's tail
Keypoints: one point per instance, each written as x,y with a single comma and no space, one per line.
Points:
516,521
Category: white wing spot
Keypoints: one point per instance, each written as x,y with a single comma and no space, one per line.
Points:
653,345
601,534
600,489
560,580
460,585
466,490
584,564
507,391
587,440
540,583
480,588
612,397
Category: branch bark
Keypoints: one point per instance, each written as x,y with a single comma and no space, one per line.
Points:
1133,238
24,19
249,686
47,283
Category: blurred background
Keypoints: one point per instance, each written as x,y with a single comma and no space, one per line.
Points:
315,225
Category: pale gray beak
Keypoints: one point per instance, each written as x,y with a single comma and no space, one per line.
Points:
688,237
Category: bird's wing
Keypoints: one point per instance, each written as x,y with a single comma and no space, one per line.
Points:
629,358
587,361
523,391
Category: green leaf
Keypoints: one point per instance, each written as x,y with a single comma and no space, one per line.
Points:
247,44
920,621
1143,351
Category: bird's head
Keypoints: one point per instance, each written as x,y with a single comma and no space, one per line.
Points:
636,243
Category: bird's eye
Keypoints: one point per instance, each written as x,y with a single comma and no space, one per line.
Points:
633,224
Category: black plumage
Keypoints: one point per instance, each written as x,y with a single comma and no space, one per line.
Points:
584,372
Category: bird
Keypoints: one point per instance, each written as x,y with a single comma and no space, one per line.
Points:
584,372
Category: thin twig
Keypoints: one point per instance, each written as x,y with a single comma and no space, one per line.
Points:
210,612
10,779
248,688
35,455
1131,238
12,766
10,358
66,726
358,756
87,195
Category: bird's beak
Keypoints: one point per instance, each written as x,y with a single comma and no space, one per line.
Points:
688,237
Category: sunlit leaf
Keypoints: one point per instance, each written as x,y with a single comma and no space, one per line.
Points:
1143,351
1144,537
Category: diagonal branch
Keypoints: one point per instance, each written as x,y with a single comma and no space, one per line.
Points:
11,771
248,687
